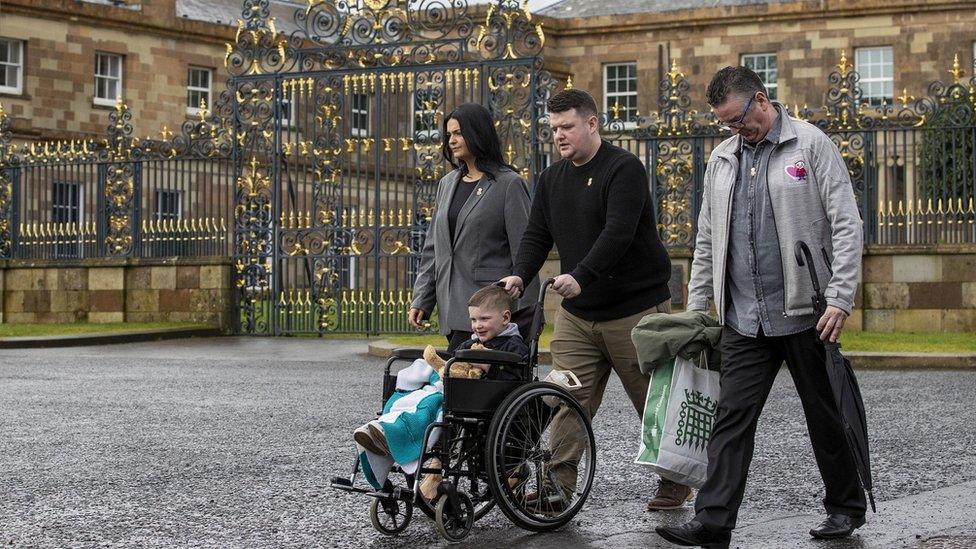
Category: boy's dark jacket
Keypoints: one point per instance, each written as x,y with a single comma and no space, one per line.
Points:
509,341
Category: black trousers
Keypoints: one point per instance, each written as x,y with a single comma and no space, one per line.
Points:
456,338
749,366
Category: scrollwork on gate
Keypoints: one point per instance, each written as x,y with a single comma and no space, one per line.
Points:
258,47
511,98
119,187
6,186
509,33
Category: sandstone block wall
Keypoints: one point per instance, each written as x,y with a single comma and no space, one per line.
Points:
118,291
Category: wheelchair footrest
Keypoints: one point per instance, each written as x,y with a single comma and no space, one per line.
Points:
398,494
348,487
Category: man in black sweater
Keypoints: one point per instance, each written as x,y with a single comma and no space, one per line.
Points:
595,206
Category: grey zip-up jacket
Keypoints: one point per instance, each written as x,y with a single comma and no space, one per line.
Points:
813,200
479,253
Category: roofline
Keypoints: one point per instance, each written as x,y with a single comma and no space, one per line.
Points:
108,16
746,14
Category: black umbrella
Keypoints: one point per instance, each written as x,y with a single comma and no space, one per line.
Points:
843,382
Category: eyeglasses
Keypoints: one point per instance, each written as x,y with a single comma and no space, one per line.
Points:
738,122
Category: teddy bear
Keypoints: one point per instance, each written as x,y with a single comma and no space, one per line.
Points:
458,369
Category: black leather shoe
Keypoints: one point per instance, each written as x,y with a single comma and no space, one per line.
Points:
694,534
837,526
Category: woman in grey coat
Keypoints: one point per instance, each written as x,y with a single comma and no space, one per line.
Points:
480,213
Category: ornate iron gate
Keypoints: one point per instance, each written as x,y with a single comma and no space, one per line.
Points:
337,148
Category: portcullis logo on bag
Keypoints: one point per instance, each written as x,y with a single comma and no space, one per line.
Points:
695,420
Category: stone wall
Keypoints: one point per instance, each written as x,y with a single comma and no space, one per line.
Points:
902,289
930,289
109,290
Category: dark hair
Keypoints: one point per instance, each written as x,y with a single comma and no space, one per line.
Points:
573,99
493,297
738,81
478,130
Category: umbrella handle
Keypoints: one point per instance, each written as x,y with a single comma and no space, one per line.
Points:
801,250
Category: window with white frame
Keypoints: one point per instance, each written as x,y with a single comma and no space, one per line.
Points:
11,66
287,113
66,207
875,67
198,89
763,64
169,205
359,109
108,78
620,89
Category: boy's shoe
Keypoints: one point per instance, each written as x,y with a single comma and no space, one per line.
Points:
670,495
371,437
428,486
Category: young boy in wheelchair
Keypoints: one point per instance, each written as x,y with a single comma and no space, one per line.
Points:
418,400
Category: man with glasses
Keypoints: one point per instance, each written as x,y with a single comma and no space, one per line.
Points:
777,180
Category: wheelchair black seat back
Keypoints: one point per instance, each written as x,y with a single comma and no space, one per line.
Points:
482,396
524,445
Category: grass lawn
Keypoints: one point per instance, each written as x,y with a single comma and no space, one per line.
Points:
40,330
907,342
899,342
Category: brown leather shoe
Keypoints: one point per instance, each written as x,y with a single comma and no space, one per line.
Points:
670,495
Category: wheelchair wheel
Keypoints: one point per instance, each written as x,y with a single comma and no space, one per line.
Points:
452,525
540,457
466,456
390,516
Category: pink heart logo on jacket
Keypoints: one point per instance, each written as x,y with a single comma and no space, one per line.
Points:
796,172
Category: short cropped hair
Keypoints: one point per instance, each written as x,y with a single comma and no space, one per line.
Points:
738,81
492,297
573,99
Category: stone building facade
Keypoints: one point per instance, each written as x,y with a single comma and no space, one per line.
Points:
166,47
64,62
916,39
58,44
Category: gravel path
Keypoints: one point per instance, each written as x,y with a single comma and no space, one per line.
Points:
230,442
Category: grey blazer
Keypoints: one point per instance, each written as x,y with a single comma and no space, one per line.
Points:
482,250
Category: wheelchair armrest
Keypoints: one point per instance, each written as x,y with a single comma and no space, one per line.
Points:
414,354
487,356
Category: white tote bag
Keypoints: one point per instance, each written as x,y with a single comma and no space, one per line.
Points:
678,416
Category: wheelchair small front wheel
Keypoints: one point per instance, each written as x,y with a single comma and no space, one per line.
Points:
540,456
454,524
390,516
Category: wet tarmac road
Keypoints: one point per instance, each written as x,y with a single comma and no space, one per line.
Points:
231,442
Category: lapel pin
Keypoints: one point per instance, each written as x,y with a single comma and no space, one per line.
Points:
478,192
589,182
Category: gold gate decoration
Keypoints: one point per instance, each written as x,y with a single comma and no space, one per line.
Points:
317,266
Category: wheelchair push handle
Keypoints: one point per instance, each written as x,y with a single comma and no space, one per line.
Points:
542,290
545,286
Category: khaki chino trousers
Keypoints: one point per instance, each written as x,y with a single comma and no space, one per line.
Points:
592,350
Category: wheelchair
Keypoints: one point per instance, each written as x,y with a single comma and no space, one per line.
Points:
526,446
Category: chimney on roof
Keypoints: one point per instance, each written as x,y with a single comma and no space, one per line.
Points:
159,11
